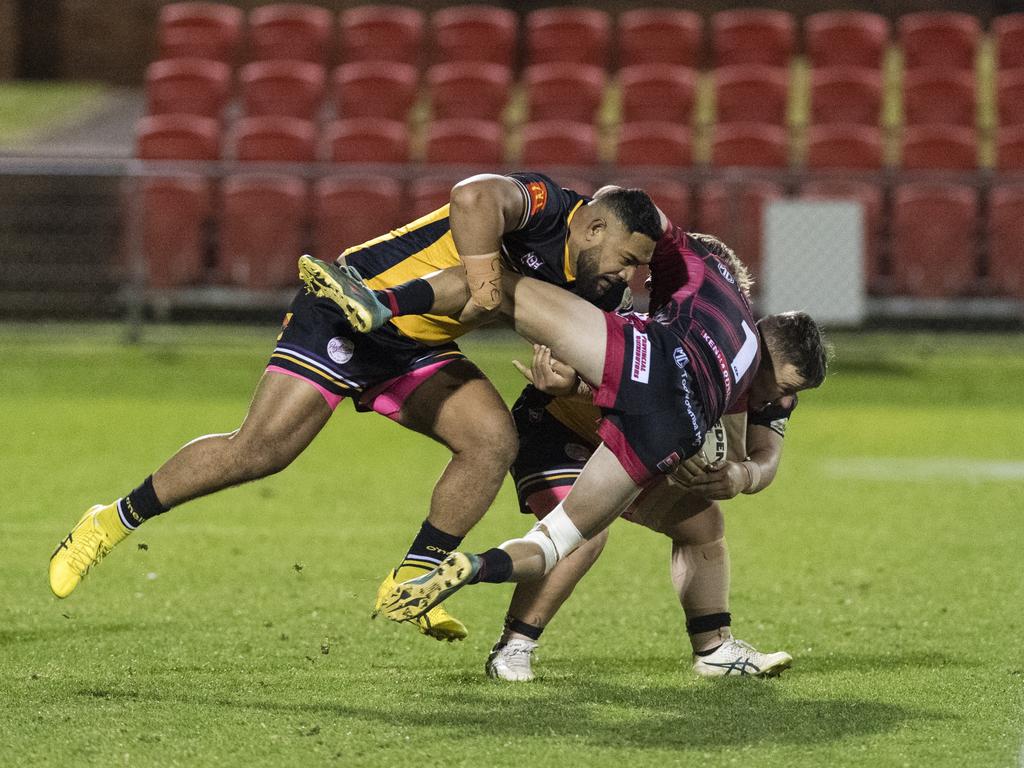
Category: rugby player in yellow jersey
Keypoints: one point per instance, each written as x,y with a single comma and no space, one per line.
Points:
409,370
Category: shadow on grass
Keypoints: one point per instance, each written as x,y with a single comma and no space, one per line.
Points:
591,709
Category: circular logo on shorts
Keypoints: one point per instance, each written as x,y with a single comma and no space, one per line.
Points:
340,349
680,357
577,452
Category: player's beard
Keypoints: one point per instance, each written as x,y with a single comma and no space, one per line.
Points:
591,284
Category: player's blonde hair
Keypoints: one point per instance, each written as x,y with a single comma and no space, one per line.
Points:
726,254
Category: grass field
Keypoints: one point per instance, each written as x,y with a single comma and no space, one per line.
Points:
886,558
29,107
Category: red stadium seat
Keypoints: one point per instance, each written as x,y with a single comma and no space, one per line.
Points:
188,87
657,92
846,95
753,36
1010,96
274,138
391,33
475,33
933,239
747,93
177,137
176,209
845,146
199,30
559,91
572,35
654,143
939,147
176,212
366,89
559,142
937,95
367,140
660,36
262,228
1008,32
469,89
290,31
465,141
734,212
348,210
282,87
939,38
871,198
428,193
1010,149
751,145
1005,238
846,38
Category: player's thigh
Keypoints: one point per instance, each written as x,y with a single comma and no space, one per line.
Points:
680,514
285,414
459,407
574,329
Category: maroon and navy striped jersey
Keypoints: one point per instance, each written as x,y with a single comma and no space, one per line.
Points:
697,297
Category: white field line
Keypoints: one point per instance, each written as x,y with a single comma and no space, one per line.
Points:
963,470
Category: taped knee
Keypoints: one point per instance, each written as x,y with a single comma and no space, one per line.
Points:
556,535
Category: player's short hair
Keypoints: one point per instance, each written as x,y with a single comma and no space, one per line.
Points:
795,337
634,208
743,277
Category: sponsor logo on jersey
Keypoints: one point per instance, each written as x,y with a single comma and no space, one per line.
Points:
723,365
641,369
680,358
340,349
577,452
532,260
538,196
726,273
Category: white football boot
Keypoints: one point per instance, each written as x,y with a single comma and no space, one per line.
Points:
511,660
737,658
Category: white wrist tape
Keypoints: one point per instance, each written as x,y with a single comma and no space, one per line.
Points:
556,535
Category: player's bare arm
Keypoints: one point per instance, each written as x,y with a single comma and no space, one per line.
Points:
483,208
755,473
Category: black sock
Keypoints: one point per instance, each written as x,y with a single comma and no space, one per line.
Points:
429,548
495,567
532,631
140,505
708,652
708,623
413,298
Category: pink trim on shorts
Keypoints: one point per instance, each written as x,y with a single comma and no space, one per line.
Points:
614,351
546,499
387,398
616,441
333,400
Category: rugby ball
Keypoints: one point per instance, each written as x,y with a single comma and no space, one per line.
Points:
715,447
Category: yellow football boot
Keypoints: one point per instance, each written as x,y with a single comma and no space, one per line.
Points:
90,540
436,622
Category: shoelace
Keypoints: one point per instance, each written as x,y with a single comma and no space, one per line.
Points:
84,541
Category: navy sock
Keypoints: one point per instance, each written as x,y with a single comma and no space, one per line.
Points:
532,631
495,567
413,298
140,505
429,548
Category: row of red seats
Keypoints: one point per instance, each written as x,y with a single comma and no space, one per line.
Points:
561,142
262,222
578,35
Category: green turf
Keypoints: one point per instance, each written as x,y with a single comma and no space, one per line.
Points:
28,107
240,633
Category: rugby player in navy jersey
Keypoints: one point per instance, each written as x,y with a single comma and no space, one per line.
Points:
557,431
661,383
409,370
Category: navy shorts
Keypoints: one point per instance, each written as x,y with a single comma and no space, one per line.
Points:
652,419
377,370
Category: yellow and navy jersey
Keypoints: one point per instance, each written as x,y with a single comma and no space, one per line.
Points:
537,246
